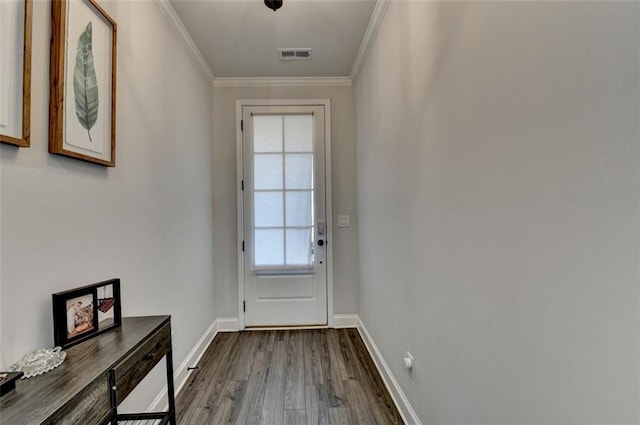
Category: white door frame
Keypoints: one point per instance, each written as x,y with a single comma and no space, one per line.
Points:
240,204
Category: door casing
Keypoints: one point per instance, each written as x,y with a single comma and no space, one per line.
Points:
326,103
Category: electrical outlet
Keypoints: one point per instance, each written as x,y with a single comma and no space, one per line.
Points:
408,361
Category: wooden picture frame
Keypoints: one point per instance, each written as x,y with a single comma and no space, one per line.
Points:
82,103
82,313
15,69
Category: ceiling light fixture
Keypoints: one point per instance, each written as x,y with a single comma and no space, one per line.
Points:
273,4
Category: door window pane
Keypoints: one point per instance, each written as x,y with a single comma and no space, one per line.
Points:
299,171
268,209
267,171
283,194
298,209
298,133
267,133
269,247
299,247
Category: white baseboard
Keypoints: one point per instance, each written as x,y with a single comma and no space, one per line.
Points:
345,321
339,321
227,324
409,415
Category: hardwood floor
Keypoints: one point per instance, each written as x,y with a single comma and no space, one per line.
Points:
292,377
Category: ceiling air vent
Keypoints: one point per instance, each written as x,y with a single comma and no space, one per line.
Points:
294,54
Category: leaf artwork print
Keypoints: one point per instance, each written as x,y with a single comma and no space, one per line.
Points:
85,84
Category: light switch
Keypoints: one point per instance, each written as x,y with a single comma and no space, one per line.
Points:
343,221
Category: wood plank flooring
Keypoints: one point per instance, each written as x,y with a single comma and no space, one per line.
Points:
290,377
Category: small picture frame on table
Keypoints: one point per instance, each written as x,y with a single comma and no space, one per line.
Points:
82,313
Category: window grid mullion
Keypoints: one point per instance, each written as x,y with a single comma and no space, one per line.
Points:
289,152
279,190
282,227
284,195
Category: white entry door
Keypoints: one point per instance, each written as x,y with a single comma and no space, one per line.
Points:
284,218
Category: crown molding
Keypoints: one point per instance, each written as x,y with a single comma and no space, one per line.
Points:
377,16
283,82
178,27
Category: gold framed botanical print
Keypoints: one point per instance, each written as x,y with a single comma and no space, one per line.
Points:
82,104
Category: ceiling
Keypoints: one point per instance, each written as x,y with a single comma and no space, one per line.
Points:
241,38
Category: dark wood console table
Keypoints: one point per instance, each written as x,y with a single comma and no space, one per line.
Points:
96,375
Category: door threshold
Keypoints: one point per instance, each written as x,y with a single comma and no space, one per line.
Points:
283,327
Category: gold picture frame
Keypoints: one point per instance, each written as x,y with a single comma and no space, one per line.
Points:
82,103
17,129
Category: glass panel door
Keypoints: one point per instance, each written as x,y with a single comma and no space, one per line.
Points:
284,251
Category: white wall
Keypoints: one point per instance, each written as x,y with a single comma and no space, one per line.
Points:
66,223
498,204
345,251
